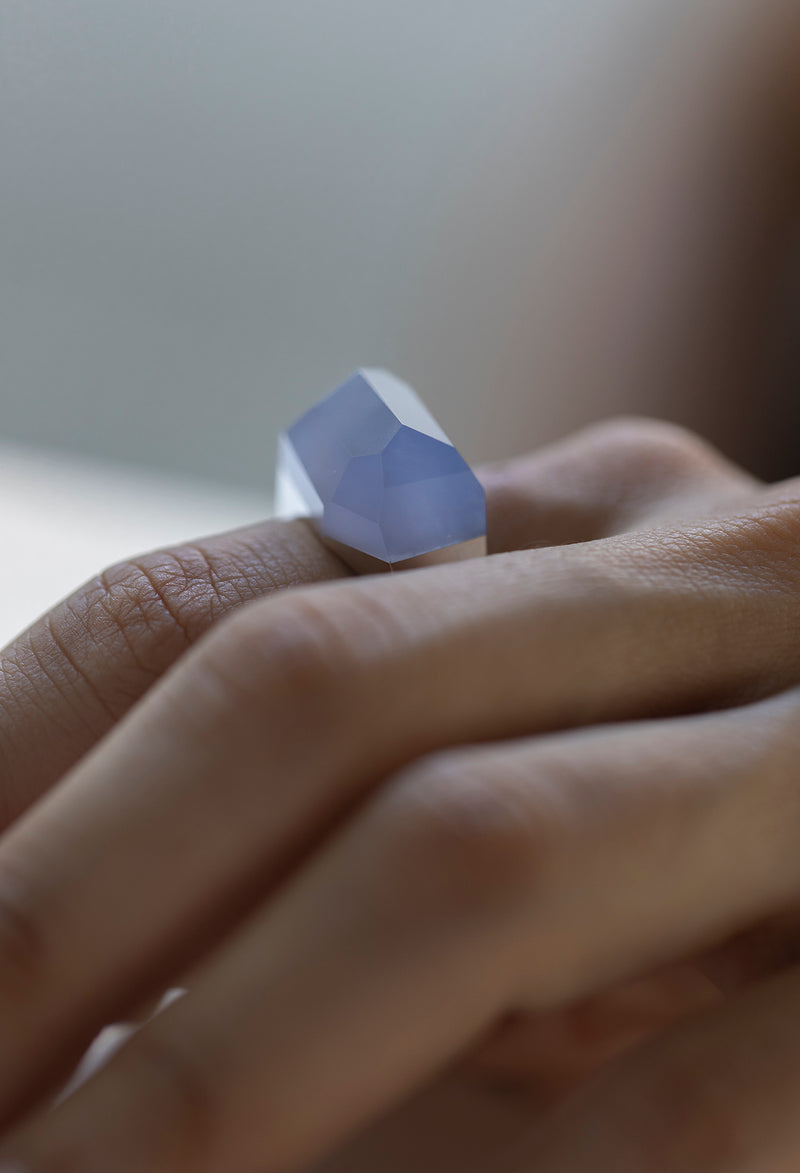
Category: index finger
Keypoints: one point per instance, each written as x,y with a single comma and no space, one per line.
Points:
75,673
72,675
274,730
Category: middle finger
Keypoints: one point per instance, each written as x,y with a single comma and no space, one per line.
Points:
277,724
476,884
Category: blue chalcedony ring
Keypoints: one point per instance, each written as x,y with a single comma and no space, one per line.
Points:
381,482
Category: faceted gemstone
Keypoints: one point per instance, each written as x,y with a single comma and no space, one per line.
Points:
378,475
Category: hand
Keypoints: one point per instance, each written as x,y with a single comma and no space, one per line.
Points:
75,673
415,827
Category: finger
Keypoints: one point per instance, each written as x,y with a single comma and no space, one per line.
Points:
477,883
541,1057
718,1094
451,1126
274,727
66,681
78,670
610,478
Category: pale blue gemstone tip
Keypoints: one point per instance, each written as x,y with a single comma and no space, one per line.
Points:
372,466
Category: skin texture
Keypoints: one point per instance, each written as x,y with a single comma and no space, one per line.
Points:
402,869
482,868
72,676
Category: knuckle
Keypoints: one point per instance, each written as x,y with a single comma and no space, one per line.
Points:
649,448
774,528
756,548
160,603
469,843
110,640
293,649
170,593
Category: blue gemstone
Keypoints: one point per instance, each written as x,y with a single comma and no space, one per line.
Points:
370,464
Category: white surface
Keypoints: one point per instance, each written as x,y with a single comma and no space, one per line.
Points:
62,520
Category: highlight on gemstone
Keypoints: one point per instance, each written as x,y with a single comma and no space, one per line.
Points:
375,471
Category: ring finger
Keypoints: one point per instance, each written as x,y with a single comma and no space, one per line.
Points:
276,726
75,673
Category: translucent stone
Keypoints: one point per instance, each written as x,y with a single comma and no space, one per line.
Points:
379,477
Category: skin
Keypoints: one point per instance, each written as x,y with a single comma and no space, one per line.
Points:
488,867
381,846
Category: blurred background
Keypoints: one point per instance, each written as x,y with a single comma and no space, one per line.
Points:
210,213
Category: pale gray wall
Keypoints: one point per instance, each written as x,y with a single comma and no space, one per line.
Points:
211,210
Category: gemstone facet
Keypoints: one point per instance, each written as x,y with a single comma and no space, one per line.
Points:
383,484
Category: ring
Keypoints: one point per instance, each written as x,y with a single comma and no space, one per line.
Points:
383,485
